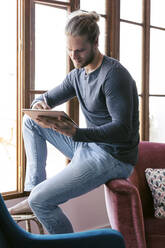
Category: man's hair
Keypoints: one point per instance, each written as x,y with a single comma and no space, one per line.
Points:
83,23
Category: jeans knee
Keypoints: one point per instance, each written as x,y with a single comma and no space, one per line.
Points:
34,199
27,121
39,198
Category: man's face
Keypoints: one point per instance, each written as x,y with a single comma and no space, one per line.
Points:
80,50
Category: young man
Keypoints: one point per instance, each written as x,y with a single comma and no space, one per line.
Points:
105,150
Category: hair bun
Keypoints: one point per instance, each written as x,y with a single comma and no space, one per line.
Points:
94,16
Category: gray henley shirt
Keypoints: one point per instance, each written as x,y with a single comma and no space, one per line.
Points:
109,101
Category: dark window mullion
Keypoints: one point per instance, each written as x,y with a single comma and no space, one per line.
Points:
156,27
107,28
56,4
131,22
156,95
145,71
114,19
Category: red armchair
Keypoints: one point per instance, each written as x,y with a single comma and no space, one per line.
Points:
130,204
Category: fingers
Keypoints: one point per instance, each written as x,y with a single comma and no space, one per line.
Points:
61,125
42,123
54,123
40,105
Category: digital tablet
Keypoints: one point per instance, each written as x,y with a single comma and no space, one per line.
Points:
35,113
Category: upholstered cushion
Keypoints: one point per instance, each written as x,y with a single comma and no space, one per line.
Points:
156,182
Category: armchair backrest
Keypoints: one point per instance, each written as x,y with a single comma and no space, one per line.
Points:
13,236
151,155
3,240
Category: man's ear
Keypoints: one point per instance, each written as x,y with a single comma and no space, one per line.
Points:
96,43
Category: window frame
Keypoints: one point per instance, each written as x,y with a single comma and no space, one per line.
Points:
144,117
145,95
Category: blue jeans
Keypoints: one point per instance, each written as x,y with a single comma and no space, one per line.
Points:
89,168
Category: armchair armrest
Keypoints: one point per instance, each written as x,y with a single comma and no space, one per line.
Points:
125,211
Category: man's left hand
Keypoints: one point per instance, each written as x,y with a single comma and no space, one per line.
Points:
60,124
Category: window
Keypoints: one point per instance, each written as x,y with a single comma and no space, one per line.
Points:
33,40
50,63
8,99
156,69
131,46
27,36
142,35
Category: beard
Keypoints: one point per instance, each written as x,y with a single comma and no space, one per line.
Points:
86,61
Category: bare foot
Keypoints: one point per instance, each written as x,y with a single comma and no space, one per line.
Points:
20,208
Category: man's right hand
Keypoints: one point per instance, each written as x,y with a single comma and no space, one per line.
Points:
40,105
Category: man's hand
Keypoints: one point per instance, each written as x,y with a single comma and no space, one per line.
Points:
60,124
40,105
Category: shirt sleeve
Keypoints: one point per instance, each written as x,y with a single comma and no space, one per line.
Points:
118,90
59,94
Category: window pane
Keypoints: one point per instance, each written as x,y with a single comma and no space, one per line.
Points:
157,76
131,10
131,50
157,13
50,46
157,119
82,122
93,5
50,64
8,96
55,161
102,35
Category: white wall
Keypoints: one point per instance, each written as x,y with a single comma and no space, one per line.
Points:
85,212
